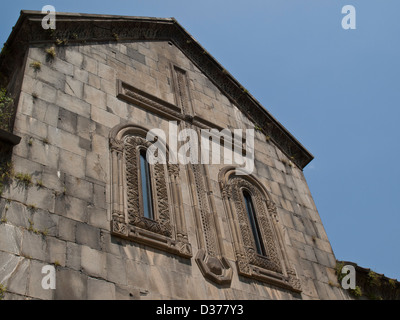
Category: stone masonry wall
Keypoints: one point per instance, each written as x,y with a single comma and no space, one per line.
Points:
62,216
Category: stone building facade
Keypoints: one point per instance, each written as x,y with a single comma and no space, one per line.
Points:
85,97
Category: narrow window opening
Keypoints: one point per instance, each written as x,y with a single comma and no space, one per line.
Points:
254,223
146,186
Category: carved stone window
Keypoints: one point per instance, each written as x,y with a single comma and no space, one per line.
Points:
255,227
143,194
146,188
258,243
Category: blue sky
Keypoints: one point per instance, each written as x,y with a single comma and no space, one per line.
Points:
335,90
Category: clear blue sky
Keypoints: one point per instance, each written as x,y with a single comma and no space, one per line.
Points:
335,90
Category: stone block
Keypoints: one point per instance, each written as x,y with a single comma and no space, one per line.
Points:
31,126
57,251
51,77
53,179
25,104
98,217
50,115
99,196
94,81
17,214
66,229
67,121
66,141
8,264
85,144
81,75
71,285
135,55
104,117
79,188
45,222
95,97
15,192
41,198
35,282
34,246
116,271
70,207
73,256
137,274
111,244
88,235
97,166
43,153
310,253
93,262
73,56
117,107
99,144
10,238
73,104
45,92
100,290
89,64
106,72
18,280
63,67
85,127
72,164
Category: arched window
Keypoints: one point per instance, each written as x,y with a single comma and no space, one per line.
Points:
146,188
257,239
141,194
255,228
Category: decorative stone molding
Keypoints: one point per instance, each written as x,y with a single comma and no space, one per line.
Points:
210,257
273,267
149,102
166,231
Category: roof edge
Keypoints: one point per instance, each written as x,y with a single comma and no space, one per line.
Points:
80,27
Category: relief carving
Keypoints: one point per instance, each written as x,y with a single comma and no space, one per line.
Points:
273,267
128,220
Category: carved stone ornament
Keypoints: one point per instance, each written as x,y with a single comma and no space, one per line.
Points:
210,256
274,266
128,219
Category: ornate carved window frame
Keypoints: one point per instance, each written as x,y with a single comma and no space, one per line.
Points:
274,267
168,229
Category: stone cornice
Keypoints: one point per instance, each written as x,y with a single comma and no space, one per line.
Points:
84,28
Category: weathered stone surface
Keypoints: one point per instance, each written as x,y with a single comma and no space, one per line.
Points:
71,285
71,207
65,114
57,251
8,264
34,246
20,277
94,262
10,238
100,290
73,256
66,229
36,276
88,235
